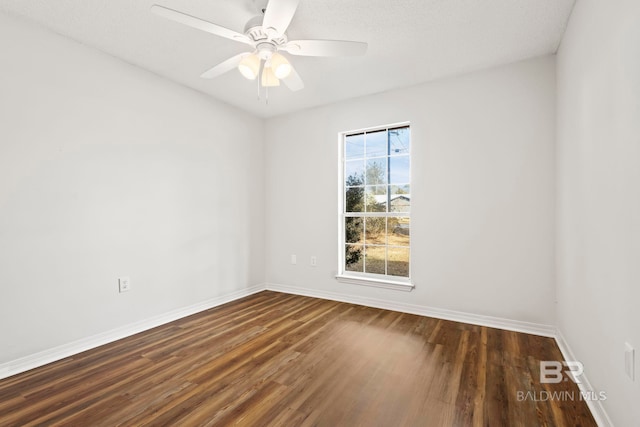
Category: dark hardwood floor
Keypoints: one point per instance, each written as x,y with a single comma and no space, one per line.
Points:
285,360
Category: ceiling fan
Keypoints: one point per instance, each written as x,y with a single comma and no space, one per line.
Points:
266,34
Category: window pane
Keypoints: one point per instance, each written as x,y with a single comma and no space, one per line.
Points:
354,257
376,230
377,144
398,170
399,141
399,231
376,171
400,198
354,230
354,146
400,189
398,262
354,173
354,199
375,259
376,198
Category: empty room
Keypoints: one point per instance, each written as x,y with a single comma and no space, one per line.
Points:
319,213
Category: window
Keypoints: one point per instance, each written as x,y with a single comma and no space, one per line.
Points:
375,217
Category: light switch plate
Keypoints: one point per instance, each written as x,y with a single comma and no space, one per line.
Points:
124,284
629,360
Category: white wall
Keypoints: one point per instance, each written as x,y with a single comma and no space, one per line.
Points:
108,170
483,191
599,196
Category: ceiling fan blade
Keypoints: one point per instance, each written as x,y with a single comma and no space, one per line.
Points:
200,24
293,81
278,14
325,48
224,66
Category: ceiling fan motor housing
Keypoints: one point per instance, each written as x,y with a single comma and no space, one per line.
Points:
253,23
256,32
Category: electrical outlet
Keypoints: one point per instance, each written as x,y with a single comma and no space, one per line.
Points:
314,261
629,360
124,284
293,259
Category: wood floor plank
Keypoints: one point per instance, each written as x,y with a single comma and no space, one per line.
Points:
275,359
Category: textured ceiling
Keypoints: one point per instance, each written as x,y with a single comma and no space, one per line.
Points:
410,41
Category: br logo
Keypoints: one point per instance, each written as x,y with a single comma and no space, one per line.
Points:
552,371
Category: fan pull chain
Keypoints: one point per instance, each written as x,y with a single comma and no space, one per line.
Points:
258,79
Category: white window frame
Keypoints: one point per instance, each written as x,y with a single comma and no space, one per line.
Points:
358,278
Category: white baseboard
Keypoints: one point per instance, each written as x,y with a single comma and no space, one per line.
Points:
458,316
66,350
595,406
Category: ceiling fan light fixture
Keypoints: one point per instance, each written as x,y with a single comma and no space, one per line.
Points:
269,78
249,67
280,66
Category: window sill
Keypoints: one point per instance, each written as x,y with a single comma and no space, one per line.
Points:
377,283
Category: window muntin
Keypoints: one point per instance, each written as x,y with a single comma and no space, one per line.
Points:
375,217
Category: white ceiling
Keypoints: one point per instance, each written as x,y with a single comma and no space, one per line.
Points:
410,41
